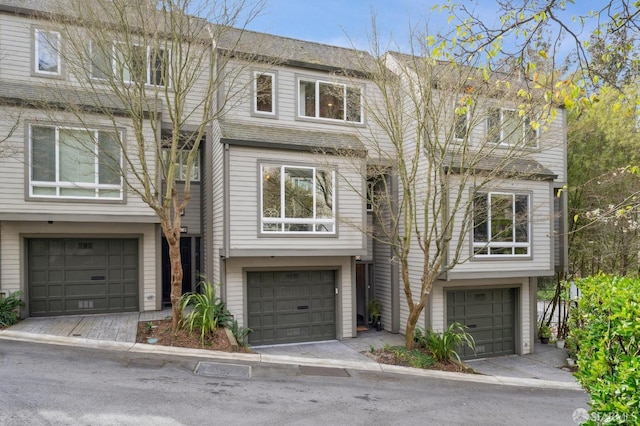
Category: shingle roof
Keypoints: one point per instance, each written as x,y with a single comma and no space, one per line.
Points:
290,138
45,96
507,166
296,52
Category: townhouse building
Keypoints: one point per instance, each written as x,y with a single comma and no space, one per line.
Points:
279,215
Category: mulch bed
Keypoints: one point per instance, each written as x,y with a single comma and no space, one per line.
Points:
388,356
161,330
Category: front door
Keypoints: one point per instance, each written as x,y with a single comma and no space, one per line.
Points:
190,256
364,291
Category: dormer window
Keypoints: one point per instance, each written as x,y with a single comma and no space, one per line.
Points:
327,100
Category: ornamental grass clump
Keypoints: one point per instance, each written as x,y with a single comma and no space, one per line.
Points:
445,346
207,311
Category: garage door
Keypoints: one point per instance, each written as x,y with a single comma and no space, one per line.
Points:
291,307
82,276
489,315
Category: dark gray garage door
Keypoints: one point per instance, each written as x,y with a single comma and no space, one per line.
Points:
490,318
82,276
290,307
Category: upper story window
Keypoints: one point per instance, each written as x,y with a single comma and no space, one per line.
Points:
461,124
47,52
297,199
182,165
264,89
334,101
68,162
371,187
507,127
501,224
130,63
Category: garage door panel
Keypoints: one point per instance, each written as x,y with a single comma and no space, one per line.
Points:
82,276
54,291
304,303
84,290
490,316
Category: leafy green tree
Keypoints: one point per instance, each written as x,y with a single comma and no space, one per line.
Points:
603,192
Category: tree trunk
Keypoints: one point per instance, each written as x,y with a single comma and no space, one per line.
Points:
412,321
176,278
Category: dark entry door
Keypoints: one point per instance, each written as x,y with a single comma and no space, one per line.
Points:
190,257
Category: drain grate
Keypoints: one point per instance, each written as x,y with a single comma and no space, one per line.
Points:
220,369
309,370
146,363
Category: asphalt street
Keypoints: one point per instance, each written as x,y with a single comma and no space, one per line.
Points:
58,385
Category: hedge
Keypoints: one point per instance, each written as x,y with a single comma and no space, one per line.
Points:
605,325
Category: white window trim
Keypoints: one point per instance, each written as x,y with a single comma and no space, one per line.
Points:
112,61
467,116
36,53
503,244
150,69
281,221
195,172
502,136
255,110
317,83
58,184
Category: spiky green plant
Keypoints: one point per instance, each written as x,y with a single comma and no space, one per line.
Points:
207,313
240,333
445,346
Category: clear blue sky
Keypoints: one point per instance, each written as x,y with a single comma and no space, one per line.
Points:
346,22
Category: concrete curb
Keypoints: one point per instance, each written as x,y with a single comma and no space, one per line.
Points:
283,360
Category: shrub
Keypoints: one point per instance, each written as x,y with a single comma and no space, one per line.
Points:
606,329
445,346
9,309
208,311
239,333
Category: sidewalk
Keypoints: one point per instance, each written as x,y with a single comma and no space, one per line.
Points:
118,332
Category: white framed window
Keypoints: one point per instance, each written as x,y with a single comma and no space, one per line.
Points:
130,63
327,100
461,122
264,89
297,199
507,127
47,52
72,162
501,224
182,165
